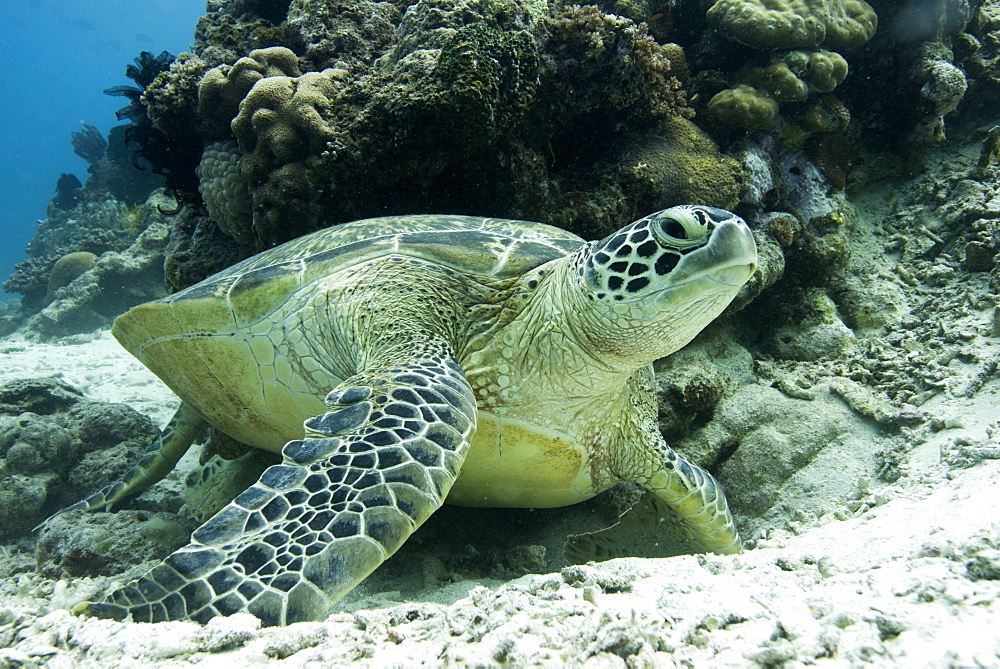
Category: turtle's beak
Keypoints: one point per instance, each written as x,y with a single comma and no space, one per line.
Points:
729,258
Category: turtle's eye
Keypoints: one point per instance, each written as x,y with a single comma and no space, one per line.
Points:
681,228
671,227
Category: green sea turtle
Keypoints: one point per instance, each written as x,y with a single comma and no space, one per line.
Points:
397,363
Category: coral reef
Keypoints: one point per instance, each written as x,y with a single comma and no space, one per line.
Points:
980,46
918,58
172,156
468,107
116,282
197,248
91,227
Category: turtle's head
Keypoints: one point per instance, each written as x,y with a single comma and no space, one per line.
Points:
653,285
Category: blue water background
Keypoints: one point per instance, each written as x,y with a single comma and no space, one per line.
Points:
56,56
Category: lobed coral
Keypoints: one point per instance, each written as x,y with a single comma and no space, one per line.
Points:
280,124
787,24
743,107
790,76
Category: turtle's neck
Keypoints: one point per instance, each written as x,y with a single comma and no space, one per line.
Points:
538,356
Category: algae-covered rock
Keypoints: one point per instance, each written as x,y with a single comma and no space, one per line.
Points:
344,34
171,100
47,429
106,544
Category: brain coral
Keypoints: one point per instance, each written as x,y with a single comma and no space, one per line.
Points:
222,88
683,165
67,269
767,24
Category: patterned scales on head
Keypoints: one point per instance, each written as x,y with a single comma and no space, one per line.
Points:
401,362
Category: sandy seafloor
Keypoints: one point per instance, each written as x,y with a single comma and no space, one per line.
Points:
888,586
906,575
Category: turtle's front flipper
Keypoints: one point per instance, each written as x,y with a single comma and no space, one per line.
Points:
697,497
156,463
684,510
368,473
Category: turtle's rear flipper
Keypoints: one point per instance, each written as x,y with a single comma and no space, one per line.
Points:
156,463
368,473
